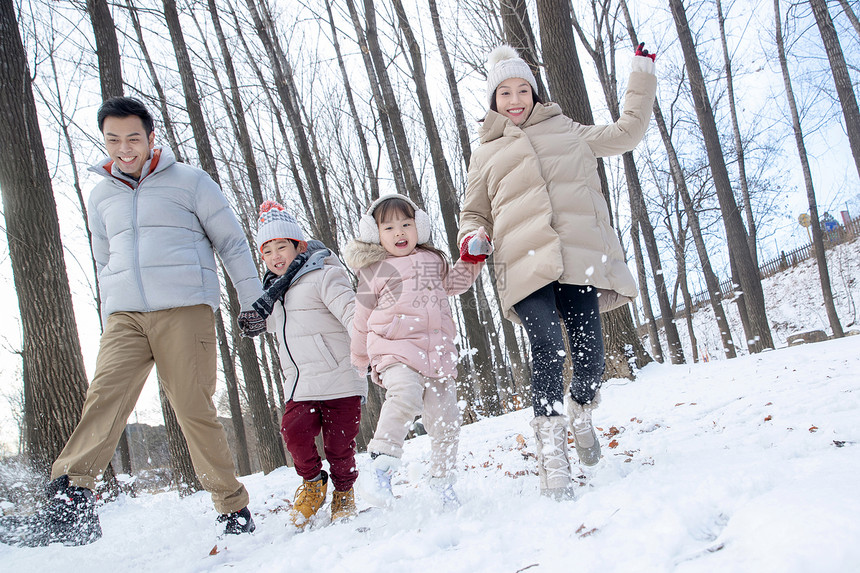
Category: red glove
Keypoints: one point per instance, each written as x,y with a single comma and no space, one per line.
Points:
641,51
476,247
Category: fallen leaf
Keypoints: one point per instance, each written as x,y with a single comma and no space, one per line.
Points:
214,550
679,404
521,441
813,429
613,444
768,418
769,404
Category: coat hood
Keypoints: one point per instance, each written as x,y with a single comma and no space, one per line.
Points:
359,254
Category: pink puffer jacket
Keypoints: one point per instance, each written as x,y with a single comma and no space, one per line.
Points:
402,313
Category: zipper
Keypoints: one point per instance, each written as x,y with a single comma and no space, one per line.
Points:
136,234
290,355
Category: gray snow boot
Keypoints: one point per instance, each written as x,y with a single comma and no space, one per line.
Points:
584,436
553,463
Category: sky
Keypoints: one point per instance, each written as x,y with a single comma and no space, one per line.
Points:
743,465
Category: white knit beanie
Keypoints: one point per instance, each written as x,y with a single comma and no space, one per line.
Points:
276,223
503,63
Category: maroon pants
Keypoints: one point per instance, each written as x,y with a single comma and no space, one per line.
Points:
339,421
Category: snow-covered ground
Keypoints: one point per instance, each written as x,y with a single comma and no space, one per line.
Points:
749,464
743,465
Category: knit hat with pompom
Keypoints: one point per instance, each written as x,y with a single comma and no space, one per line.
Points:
503,63
276,223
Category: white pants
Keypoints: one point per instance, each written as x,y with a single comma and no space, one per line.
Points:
408,394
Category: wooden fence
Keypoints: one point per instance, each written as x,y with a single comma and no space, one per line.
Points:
841,234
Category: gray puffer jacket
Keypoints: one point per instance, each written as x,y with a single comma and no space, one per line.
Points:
154,240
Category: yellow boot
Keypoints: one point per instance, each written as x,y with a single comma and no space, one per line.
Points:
343,505
309,499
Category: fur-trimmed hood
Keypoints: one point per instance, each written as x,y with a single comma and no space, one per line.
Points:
358,254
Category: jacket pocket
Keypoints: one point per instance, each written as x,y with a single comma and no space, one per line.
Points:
324,351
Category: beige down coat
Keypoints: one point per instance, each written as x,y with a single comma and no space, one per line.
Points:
536,192
312,325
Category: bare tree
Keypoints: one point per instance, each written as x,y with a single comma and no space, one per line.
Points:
272,454
55,381
608,80
844,87
107,48
758,336
711,281
817,235
736,131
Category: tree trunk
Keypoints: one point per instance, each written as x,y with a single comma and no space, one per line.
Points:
648,311
107,48
748,273
268,439
172,140
846,9
519,34
55,380
282,74
241,133
372,178
382,109
392,110
711,281
844,87
451,79
243,459
567,88
476,332
184,475
817,235
739,144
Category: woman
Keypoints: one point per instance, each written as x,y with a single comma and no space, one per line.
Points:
533,186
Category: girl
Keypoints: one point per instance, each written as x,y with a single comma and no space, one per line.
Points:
403,334
534,181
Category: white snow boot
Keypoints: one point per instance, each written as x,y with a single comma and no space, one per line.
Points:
375,483
444,488
553,463
584,436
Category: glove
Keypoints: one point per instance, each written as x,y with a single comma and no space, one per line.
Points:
641,51
251,323
476,247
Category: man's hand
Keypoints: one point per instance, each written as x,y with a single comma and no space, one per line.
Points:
251,323
641,51
476,247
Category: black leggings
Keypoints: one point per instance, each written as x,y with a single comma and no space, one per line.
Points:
578,308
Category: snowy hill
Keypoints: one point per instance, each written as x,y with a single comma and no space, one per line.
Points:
742,465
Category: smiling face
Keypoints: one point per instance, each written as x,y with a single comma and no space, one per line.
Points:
398,233
514,99
127,143
279,253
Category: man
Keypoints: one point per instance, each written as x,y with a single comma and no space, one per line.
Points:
156,225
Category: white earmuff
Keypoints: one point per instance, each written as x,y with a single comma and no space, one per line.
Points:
368,231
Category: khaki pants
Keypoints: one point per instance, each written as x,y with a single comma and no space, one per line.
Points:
407,393
181,343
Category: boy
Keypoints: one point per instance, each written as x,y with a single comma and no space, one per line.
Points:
308,306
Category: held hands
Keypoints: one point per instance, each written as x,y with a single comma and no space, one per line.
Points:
251,323
641,51
476,247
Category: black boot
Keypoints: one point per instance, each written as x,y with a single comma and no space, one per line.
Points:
237,522
69,518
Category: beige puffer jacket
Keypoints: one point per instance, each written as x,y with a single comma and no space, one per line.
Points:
536,191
